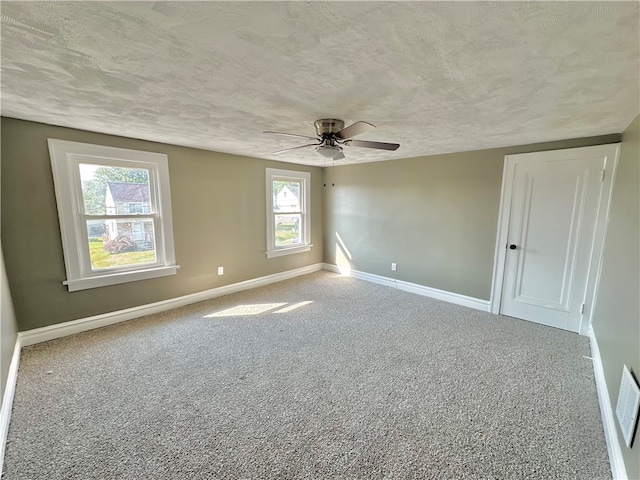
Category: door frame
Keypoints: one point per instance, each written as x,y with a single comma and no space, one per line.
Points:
611,152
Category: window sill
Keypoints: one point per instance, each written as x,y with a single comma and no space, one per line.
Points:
288,251
121,277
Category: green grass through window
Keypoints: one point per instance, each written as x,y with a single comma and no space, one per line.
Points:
102,259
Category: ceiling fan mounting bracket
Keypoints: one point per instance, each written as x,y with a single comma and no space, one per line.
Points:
328,126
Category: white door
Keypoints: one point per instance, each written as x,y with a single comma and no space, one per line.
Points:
553,236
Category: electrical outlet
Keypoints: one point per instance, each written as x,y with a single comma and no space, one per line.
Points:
220,270
394,267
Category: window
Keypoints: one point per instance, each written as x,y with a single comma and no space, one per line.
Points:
114,207
288,222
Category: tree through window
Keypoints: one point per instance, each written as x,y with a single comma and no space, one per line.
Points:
121,230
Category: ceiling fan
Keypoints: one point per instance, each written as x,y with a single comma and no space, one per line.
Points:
332,136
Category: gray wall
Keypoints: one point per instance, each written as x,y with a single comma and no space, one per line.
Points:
8,327
616,317
219,216
435,216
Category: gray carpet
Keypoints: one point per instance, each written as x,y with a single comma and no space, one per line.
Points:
364,381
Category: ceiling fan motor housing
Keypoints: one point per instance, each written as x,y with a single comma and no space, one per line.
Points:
328,126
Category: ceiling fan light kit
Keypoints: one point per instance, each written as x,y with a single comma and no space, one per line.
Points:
332,134
329,151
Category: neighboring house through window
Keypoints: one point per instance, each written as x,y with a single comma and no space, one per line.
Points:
130,198
114,207
288,219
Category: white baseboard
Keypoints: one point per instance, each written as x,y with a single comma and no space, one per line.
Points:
413,288
38,335
618,470
7,400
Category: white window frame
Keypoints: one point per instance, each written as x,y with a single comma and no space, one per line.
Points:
66,157
274,174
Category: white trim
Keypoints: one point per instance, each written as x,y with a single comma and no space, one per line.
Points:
499,256
304,178
618,470
66,157
450,297
279,252
119,277
611,152
51,332
597,256
7,399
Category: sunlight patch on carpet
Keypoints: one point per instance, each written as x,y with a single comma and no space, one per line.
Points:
240,310
257,309
293,306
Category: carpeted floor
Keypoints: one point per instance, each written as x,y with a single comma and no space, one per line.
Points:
322,376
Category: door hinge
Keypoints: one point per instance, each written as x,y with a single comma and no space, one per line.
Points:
602,176
582,309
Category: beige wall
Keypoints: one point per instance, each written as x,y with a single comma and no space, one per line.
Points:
436,216
616,318
8,328
218,213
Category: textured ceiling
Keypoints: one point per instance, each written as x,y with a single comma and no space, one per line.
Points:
435,77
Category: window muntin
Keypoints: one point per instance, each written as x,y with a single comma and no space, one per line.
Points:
287,209
115,213
109,193
288,220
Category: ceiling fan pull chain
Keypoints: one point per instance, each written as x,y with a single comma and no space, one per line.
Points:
333,166
324,172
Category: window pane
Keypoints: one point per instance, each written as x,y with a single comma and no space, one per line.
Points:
121,242
286,196
114,190
287,229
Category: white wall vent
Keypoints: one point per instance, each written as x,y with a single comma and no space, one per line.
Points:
628,404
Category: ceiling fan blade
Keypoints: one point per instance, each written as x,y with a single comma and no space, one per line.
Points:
291,135
355,129
295,148
378,145
338,156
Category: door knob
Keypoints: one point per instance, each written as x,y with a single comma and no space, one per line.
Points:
512,246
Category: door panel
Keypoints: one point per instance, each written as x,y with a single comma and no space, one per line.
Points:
553,214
